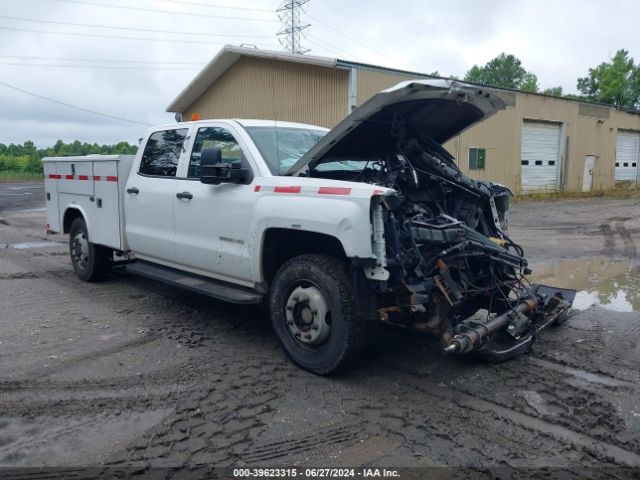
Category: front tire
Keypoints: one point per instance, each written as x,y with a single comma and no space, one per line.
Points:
313,311
90,262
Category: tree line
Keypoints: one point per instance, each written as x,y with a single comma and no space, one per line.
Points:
28,158
614,82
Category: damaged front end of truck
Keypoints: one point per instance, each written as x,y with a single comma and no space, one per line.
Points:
454,271
445,263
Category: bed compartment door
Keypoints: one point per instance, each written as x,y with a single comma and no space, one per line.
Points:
75,177
51,196
106,205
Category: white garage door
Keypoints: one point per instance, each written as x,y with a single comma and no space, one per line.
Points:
627,156
540,156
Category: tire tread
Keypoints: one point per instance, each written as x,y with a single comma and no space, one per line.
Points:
337,270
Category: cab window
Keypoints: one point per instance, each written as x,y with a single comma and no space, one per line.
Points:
162,153
213,137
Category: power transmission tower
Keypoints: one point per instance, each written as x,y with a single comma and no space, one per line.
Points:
289,13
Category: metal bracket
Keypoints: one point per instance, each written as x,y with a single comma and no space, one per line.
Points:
376,273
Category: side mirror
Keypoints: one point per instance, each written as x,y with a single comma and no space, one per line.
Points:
213,171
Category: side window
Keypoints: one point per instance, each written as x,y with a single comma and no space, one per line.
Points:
162,153
212,137
477,157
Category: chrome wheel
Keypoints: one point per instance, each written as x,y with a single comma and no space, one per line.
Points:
80,249
308,315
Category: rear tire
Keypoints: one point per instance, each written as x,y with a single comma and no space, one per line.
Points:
313,311
90,262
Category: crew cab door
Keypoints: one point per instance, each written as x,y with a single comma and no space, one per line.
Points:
212,222
149,195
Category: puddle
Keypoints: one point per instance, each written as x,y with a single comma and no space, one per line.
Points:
614,285
29,210
29,245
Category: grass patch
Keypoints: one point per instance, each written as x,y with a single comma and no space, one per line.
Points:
623,192
20,176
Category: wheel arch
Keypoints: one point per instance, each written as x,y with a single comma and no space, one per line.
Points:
70,214
282,244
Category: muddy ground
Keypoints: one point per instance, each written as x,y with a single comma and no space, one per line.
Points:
128,372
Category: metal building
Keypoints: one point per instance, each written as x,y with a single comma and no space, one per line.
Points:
539,143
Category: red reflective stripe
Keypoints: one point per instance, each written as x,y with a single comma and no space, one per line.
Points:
334,191
257,188
378,192
287,189
98,178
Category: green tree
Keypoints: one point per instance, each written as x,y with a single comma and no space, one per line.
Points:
504,71
58,146
557,91
33,163
28,157
10,162
616,82
14,150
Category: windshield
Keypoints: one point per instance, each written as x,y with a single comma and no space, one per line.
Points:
281,147
346,165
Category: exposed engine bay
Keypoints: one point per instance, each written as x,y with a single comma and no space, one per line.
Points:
446,264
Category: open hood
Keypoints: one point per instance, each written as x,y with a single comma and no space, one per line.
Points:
429,110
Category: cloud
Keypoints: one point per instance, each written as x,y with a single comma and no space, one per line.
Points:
558,41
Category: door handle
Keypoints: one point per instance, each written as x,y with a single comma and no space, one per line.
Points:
133,190
184,195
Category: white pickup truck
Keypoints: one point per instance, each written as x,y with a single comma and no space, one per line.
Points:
371,221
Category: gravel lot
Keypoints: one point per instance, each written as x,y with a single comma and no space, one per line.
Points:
128,372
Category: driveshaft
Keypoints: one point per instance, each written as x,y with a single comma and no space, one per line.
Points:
474,336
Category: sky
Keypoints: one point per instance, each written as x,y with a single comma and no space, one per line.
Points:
81,63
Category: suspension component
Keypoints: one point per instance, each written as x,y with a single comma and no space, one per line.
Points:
379,272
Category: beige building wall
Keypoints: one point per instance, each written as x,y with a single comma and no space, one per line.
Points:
288,91
266,89
581,134
371,82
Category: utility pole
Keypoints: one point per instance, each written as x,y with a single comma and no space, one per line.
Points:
289,13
